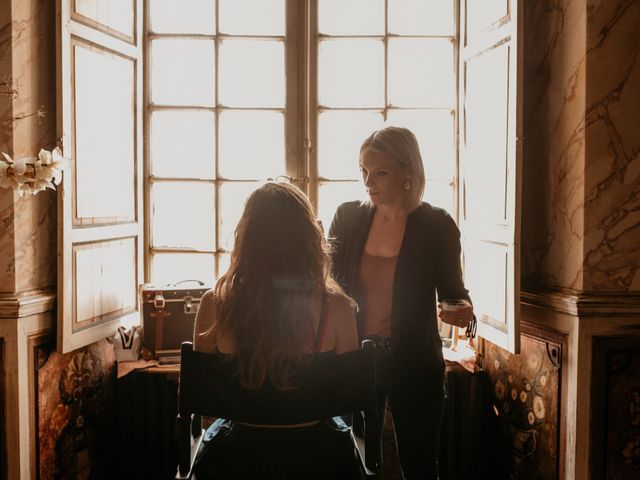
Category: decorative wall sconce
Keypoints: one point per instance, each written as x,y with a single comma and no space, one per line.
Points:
30,175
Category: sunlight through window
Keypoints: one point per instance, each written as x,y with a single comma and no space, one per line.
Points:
382,63
232,91
216,115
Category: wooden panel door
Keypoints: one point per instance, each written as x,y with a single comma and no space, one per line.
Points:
490,123
100,214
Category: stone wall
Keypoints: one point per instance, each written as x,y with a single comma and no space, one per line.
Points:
581,201
612,161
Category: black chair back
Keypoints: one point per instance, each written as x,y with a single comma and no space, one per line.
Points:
328,385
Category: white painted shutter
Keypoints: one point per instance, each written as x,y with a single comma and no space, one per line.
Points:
490,156
100,211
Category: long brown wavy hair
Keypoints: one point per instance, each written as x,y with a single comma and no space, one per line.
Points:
279,261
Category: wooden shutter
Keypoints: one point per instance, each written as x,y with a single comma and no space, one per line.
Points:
490,123
100,212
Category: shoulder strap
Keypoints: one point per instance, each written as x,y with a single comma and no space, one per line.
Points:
322,326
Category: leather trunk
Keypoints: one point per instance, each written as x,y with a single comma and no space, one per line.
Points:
168,316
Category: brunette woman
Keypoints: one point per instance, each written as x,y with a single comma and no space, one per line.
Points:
275,306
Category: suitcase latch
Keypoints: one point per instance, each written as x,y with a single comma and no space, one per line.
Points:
190,307
158,301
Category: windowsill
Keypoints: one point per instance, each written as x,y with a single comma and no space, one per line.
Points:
464,354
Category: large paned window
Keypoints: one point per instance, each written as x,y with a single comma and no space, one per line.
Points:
173,111
215,110
218,109
379,61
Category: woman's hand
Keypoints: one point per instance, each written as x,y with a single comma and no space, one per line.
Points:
460,317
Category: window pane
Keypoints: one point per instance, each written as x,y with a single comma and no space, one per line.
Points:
104,134
190,157
232,199
184,16
224,260
435,130
340,135
175,267
351,17
487,138
182,72
119,16
251,73
482,14
351,73
440,193
251,144
421,73
332,194
252,17
420,17
182,215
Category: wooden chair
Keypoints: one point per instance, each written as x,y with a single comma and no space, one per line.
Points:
208,387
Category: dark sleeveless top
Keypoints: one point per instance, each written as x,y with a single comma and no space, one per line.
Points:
316,451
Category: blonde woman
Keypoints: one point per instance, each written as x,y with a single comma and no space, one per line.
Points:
276,305
393,254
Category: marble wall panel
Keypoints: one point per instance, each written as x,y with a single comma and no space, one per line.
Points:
34,114
34,76
35,247
6,84
612,173
7,269
554,142
7,263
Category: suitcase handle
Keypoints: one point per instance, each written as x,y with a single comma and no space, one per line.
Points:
199,282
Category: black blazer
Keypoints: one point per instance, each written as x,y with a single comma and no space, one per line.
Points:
428,263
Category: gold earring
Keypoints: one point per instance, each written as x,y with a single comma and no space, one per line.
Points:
407,185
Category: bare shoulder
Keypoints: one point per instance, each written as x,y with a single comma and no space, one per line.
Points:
340,306
205,318
206,308
209,296
342,322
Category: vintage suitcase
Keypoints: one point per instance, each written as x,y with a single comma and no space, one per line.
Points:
168,315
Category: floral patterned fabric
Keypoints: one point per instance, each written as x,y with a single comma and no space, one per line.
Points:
75,411
525,398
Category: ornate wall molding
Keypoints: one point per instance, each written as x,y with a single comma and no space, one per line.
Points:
583,304
23,304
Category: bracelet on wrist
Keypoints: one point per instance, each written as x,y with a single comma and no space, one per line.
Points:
471,328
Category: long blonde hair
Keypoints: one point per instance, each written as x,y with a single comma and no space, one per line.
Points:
279,262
